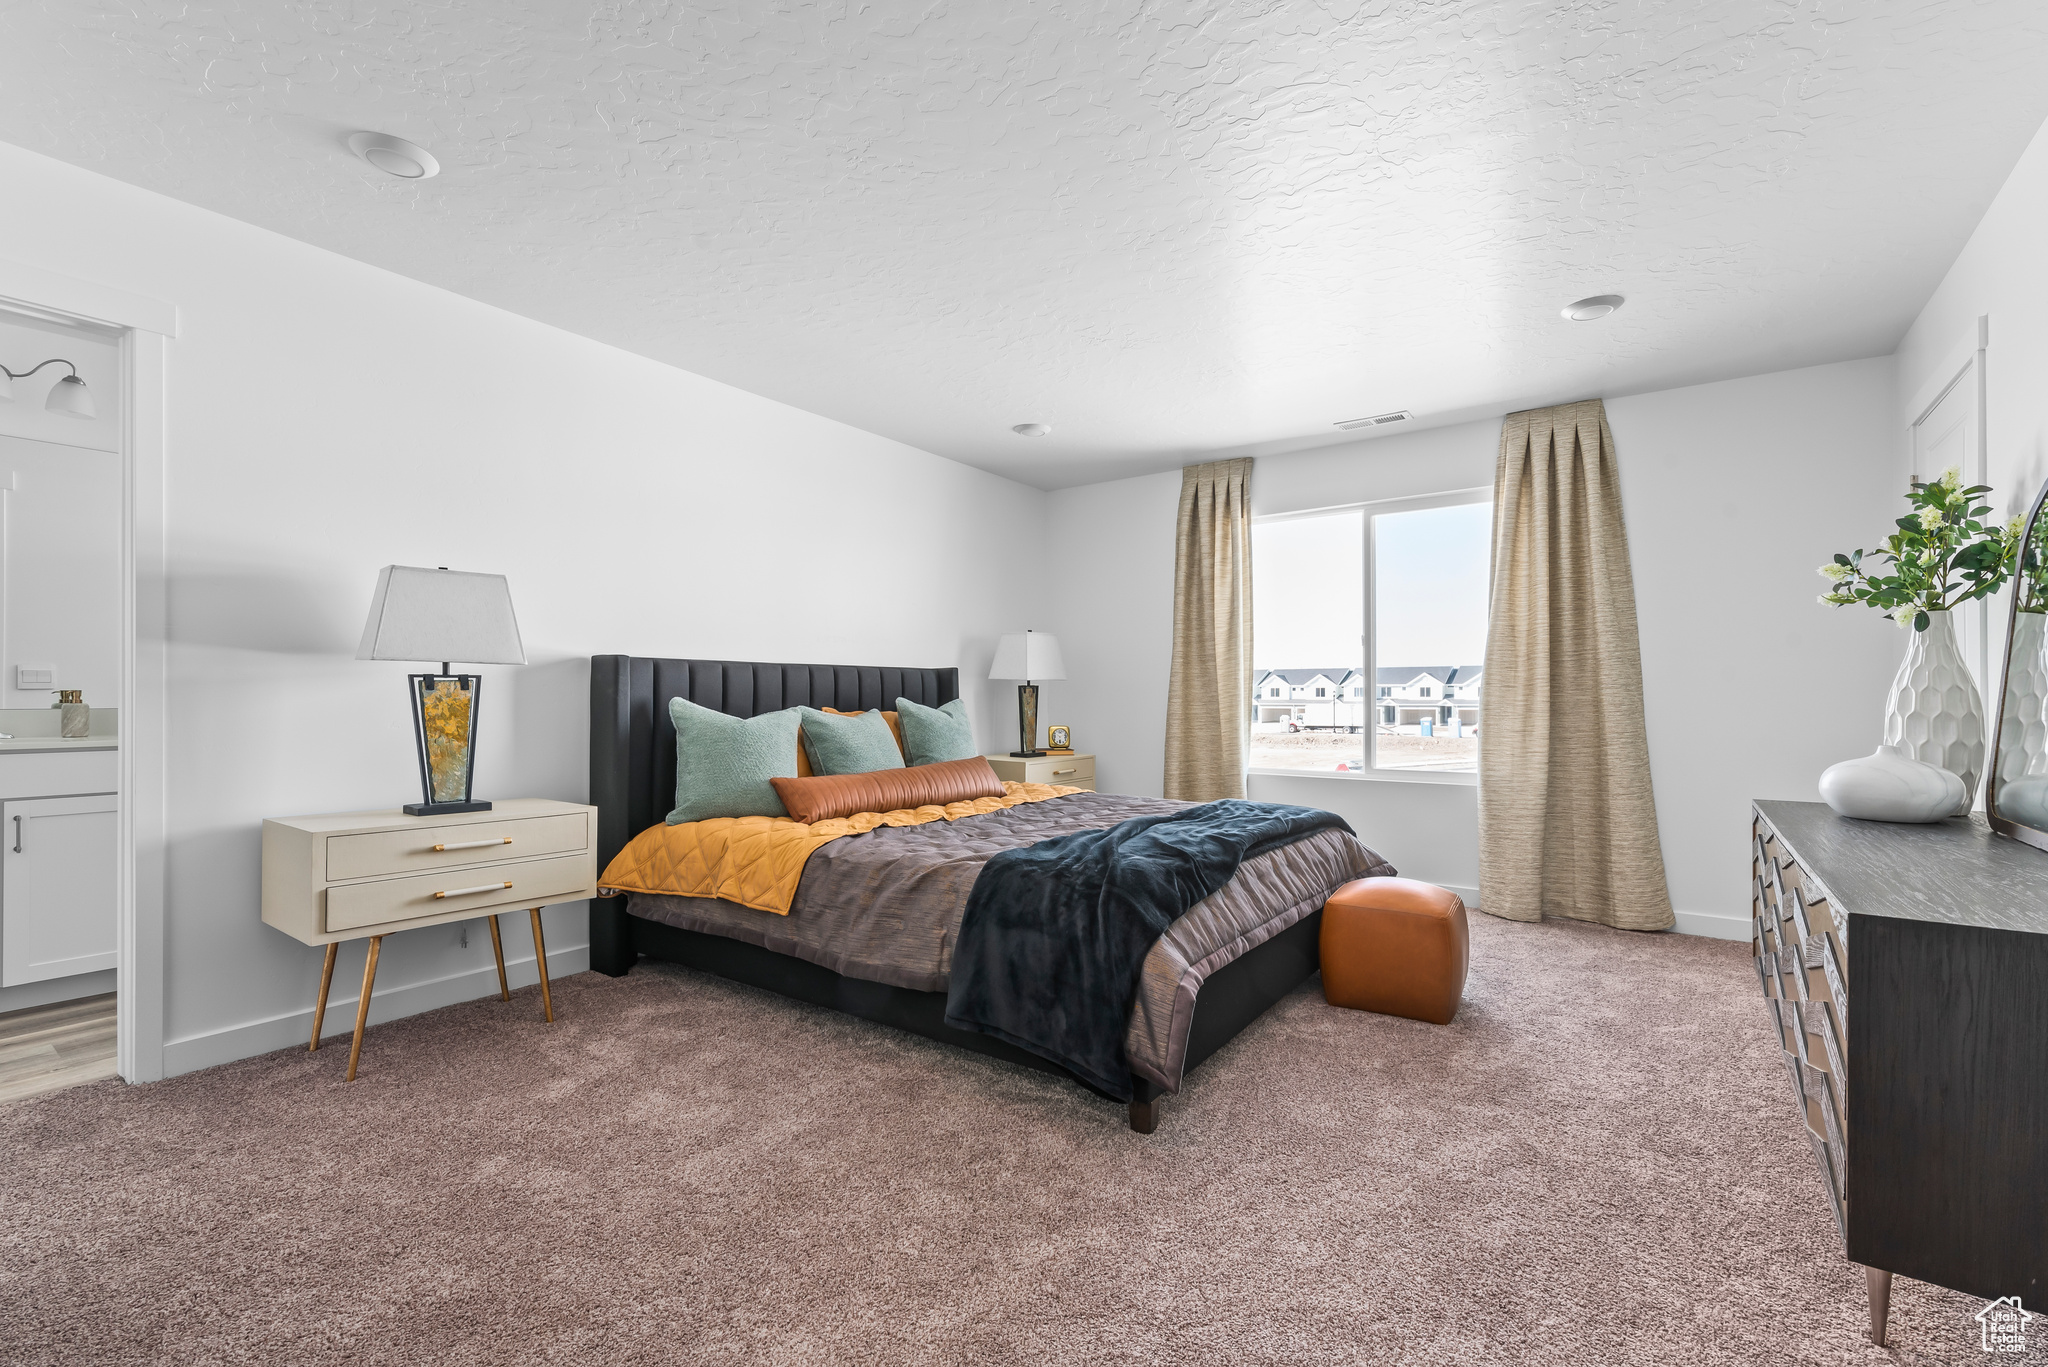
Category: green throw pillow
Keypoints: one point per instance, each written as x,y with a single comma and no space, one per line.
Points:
723,763
858,744
933,735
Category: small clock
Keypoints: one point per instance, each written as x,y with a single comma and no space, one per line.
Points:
1059,738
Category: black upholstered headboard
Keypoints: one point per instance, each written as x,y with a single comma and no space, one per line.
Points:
633,743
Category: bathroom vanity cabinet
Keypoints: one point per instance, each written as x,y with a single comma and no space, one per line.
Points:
58,858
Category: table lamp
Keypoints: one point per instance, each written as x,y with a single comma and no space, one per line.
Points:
1028,655
443,614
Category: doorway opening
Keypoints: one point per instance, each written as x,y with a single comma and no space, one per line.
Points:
62,627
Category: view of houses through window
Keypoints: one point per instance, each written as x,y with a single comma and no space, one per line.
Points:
1314,705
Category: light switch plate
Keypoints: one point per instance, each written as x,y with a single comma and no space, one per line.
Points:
35,676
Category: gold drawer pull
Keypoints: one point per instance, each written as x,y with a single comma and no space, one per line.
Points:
471,845
471,892
1075,770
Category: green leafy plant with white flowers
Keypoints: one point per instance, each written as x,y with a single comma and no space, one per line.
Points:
2030,577
1943,555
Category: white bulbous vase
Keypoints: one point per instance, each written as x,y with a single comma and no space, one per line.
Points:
1889,785
1935,713
2025,800
2023,729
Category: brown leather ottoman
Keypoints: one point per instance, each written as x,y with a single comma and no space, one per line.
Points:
1395,946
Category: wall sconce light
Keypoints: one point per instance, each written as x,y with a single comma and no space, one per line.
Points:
69,395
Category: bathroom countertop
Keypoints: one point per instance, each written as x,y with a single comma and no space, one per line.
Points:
28,744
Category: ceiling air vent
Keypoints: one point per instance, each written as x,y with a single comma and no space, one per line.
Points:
1382,420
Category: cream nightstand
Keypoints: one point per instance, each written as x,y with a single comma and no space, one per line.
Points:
357,875
1074,771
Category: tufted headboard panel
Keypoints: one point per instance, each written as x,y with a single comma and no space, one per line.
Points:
633,743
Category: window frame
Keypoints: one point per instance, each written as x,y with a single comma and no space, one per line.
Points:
1368,510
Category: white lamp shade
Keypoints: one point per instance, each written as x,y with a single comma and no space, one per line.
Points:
69,395
1028,655
450,615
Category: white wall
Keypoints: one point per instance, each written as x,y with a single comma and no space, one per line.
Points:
1732,492
60,570
326,418
2000,275
60,512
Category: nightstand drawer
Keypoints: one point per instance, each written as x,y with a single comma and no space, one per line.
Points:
527,884
387,852
1077,771
1073,770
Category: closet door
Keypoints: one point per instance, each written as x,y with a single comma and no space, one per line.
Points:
56,887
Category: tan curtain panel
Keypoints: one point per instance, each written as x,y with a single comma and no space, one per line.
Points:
1567,824
1209,701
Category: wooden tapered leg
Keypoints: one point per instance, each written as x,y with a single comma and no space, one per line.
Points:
1145,1115
540,956
498,953
320,1006
363,1004
1879,1285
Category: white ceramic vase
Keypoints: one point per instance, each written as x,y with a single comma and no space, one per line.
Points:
1887,785
1935,714
2025,800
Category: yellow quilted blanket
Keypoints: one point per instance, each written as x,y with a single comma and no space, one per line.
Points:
757,860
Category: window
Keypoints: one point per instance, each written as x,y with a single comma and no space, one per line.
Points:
1273,692
1402,584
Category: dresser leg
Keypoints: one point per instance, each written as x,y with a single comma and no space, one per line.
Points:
498,953
320,1006
1879,1285
363,1004
540,956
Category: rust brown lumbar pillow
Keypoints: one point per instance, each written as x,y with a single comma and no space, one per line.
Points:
887,790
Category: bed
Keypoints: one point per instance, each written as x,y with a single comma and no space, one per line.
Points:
869,930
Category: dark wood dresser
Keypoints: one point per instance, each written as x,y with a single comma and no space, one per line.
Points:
1906,970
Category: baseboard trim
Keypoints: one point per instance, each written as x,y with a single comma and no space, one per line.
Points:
1710,926
293,1029
24,996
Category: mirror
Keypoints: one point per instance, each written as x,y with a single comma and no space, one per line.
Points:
2016,796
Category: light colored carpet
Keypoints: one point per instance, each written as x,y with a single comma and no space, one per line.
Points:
1597,1164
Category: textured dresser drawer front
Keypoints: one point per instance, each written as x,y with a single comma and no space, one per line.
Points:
1793,931
1832,1181
408,851
403,899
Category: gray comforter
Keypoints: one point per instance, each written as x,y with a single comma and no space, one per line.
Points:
886,906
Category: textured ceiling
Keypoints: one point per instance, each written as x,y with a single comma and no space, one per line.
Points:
1168,229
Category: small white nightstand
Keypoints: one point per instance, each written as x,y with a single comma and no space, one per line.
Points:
1073,771
356,875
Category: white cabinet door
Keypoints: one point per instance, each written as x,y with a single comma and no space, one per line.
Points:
56,887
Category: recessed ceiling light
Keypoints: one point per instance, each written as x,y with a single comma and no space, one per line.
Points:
1032,429
1595,306
406,160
